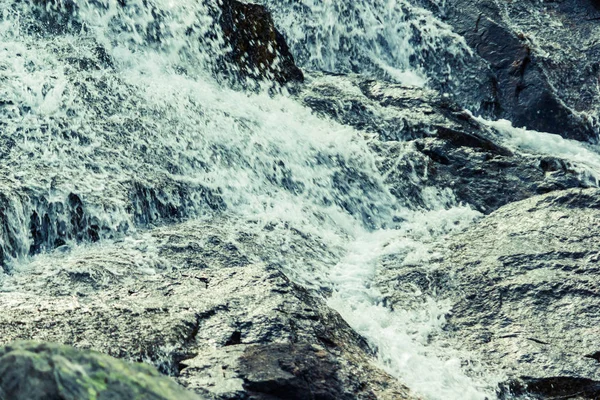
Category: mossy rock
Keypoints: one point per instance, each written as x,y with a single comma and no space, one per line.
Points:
44,371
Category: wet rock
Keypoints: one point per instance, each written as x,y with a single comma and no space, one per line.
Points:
430,144
523,283
565,387
191,300
541,58
43,371
258,49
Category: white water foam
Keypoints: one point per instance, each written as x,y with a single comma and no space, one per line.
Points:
386,37
583,157
402,337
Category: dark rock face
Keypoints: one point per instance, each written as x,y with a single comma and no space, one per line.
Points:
524,286
428,142
191,300
487,179
39,371
258,50
295,372
541,57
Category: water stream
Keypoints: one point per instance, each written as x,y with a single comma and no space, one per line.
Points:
110,122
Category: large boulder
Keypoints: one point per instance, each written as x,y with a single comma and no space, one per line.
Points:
44,371
192,300
542,59
524,287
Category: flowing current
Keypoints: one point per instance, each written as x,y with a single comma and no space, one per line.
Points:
111,123
389,38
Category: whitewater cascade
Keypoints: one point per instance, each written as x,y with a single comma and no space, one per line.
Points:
387,38
115,123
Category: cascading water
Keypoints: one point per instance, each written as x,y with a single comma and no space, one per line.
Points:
111,122
396,40
387,35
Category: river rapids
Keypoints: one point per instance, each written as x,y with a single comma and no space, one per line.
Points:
112,122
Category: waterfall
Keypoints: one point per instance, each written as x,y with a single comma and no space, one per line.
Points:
112,121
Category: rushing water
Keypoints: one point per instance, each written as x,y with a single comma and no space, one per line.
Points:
397,40
110,122
392,38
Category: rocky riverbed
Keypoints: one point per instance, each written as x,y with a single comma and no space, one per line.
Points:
254,211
